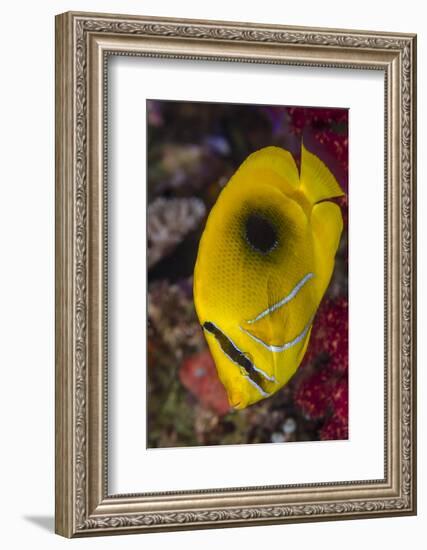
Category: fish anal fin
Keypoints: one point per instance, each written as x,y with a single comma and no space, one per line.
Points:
317,181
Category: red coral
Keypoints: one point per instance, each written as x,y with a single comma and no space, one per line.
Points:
330,334
198,374
313,395
335,320
324,393
320,119
334,429
340,399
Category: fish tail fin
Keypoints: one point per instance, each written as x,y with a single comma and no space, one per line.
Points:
327,226
317,181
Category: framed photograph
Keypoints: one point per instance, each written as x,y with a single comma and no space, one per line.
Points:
235,274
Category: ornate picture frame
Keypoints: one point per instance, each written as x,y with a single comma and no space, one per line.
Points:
84,42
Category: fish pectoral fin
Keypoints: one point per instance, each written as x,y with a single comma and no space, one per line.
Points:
317,181
262,330
270,328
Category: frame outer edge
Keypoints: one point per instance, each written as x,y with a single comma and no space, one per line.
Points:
415,267
248,25
74,511
64,237
413,251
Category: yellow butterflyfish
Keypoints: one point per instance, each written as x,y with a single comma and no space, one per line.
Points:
265,260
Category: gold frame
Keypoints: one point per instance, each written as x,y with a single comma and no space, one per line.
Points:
83,43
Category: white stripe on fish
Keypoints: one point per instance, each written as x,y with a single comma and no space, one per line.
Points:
284,300
286,345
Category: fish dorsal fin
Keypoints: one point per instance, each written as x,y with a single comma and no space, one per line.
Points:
317,181
277,160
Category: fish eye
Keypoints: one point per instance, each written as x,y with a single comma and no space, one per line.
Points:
260,233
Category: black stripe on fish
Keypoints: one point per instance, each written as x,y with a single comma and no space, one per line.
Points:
235,354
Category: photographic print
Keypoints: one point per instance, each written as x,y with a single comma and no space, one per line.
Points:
247,256
205,309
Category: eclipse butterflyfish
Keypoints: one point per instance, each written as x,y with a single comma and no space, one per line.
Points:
265,260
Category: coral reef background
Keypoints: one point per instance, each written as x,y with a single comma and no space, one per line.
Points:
192,150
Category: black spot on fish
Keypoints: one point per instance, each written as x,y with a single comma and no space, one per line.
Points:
260,233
